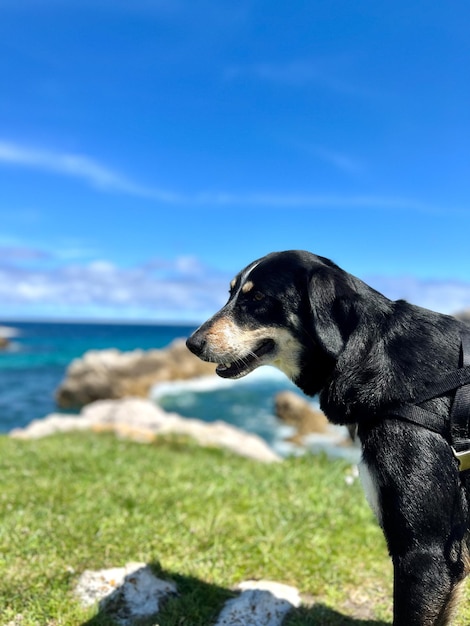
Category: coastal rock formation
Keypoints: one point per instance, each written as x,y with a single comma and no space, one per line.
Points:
293,410
6,332
143,421
111,374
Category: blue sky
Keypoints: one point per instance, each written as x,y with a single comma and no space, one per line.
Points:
151,149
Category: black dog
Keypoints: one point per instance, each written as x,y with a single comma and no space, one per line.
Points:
385,368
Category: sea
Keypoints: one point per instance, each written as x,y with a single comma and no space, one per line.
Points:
38,354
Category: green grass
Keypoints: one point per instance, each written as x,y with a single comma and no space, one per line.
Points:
203,518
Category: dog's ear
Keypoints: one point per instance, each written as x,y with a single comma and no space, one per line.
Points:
333,299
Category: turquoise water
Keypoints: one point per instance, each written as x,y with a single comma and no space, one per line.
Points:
39,353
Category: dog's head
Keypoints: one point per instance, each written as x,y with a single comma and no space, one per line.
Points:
282,311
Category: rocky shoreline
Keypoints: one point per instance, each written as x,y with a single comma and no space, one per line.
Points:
112,374
113,391
141,420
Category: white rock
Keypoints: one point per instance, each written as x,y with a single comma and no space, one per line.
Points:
53,423
142,420
261,603
135,411
128,593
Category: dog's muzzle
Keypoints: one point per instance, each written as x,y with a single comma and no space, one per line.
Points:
230,365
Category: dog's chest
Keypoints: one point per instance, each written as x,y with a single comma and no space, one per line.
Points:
371,489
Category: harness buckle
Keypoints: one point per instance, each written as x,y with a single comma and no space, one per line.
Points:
463,459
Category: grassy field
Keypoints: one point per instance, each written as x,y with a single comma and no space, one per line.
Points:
203,518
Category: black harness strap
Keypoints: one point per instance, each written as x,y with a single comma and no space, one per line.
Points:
451,380
421,417
457,427
460,414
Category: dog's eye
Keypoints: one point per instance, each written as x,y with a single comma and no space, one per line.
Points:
258,296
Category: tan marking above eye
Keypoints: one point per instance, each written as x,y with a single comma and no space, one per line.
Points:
248,286
233,283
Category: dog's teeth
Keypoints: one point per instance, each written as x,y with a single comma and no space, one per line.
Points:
227,365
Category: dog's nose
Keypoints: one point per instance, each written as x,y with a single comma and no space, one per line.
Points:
196,343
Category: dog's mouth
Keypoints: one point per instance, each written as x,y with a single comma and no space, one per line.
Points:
242,367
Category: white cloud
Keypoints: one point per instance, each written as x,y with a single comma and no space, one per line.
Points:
324,72
318,201
157,7
167,290
74,251
100,176
19,253
445,296
293,72
182,289
78,166
339,160
190,266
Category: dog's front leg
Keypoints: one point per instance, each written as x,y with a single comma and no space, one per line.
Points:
423,511
425,590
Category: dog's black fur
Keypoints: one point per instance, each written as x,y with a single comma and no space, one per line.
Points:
363,353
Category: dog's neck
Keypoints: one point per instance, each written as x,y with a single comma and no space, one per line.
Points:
367,377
